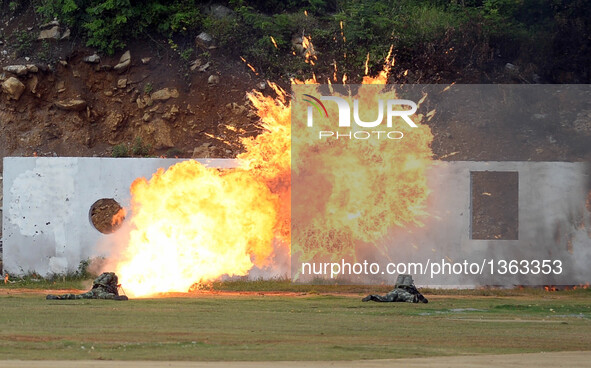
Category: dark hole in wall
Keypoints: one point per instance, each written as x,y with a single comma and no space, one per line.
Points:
495,205
107,215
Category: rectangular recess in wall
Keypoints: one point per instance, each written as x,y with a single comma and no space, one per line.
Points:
494,205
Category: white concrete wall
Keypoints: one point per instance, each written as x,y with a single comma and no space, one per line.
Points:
551,213
46,225
1,216
46,222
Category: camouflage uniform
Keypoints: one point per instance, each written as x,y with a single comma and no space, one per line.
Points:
404,291
104,287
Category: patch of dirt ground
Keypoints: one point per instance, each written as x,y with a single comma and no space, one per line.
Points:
541,360
192,294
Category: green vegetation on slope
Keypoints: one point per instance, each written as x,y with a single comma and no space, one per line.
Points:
551,38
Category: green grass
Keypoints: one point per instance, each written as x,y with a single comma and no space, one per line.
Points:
254,326
285,285
35,282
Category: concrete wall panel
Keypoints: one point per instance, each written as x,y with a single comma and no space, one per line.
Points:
47,230
46,227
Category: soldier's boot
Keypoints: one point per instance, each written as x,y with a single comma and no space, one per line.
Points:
121,297
366,299
52,297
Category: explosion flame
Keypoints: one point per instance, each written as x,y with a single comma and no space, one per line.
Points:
194,224
350,192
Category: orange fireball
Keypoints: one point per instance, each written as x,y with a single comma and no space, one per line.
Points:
195,224
192,224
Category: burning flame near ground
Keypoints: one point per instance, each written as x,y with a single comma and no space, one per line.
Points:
194,224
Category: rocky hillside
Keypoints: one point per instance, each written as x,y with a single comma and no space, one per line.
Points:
138,102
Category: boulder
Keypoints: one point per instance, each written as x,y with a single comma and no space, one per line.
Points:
124,62
164,94
125,57
61,86
16,69
66,35
204,39
92,59
32,68
213,79
195,64
144,101
71,105
32,84
13,87
52,33
114,121
219,11
122,67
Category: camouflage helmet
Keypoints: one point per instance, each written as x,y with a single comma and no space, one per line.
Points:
106,278
404,281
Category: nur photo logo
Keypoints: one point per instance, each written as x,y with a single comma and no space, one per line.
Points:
387,110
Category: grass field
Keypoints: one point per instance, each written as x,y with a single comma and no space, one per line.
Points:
291,326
